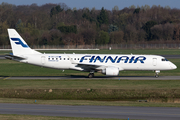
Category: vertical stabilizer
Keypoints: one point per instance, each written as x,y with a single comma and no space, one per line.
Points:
18,45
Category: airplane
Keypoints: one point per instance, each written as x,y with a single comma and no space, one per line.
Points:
108,64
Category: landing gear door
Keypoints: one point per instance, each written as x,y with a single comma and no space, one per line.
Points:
154,61
43,60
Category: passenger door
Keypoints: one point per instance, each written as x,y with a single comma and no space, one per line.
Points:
154,61
43,60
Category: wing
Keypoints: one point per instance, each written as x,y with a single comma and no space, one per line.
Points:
90,67
96,67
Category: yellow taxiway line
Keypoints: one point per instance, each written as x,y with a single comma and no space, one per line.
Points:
6,78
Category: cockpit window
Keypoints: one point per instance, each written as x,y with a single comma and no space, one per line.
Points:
164,59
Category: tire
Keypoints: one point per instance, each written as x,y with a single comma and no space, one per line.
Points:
91,75
156,76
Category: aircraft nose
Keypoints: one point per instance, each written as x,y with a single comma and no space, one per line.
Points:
173,66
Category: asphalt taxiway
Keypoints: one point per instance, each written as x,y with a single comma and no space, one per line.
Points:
146,113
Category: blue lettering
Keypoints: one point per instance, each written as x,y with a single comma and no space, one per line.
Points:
131,60
140,58
53,59
84,57
125,58
92,58
99,58
112,60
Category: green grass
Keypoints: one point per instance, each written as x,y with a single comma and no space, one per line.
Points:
119,51
35,117
90,84
106,90
12,68
156,103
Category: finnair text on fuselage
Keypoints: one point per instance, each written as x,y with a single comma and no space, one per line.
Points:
116,59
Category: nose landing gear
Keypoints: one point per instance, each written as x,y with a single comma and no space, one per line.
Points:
157,72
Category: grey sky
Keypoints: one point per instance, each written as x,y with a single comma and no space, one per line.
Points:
98,4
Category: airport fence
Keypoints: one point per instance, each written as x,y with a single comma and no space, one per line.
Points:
108,46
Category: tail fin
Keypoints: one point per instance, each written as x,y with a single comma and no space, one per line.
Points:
19,46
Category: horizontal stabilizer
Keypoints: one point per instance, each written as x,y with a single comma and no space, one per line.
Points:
12,57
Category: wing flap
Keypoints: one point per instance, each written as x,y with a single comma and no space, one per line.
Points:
96,67
91,66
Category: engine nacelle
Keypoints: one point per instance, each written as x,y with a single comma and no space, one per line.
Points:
112,71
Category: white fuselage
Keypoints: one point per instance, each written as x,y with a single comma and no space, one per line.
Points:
82,61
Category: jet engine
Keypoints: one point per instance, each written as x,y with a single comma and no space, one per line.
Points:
112,71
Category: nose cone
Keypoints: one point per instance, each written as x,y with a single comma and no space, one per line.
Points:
173,66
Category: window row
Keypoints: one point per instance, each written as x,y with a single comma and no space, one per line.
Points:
64,59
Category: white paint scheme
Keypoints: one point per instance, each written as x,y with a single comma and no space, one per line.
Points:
72,61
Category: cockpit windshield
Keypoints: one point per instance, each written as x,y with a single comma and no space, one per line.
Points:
164,59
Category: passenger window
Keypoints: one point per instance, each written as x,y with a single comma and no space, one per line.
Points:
60,58
64,58
68,58
78,58
74,58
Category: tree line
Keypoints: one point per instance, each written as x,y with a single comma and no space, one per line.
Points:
57,24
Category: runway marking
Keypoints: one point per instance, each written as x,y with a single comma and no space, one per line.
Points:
6,78
93,111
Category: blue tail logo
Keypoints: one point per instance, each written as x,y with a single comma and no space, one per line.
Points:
19,42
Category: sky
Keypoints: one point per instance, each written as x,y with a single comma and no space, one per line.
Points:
98,4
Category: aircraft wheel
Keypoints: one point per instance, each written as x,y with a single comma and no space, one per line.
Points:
157,73
156,76
91,75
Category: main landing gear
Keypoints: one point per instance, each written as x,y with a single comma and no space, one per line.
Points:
91,74
157,72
